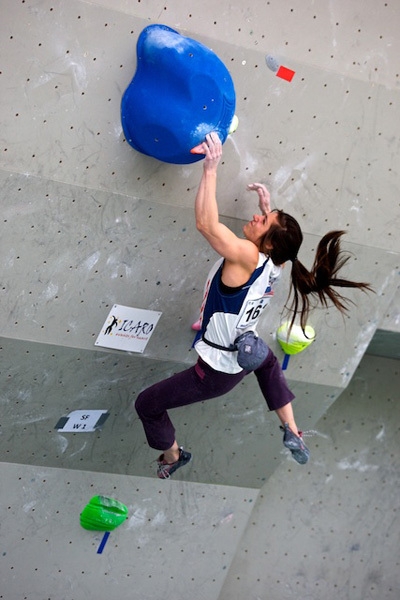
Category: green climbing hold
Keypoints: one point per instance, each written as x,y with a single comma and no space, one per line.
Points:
296,341
103,514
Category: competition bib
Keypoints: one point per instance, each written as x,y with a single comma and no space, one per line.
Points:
251,312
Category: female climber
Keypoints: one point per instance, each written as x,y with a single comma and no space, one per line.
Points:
238,288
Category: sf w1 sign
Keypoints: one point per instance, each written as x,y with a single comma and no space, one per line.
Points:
128,328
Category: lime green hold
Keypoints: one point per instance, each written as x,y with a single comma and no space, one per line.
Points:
295,342
103,514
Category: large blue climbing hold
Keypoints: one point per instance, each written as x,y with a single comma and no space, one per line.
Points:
180,92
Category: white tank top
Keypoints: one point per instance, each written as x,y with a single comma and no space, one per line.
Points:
224,316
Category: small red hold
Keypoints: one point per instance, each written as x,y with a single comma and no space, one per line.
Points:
285,73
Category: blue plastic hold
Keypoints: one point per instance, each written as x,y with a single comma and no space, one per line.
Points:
180,92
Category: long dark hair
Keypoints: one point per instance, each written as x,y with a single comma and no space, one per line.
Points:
282,242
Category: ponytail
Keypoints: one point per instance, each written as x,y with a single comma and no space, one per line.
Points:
319,283
282,242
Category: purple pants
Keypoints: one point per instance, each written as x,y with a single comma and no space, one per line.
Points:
196,384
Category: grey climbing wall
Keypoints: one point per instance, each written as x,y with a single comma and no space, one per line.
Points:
87,222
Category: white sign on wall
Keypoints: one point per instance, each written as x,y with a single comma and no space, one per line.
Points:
79,421
128,328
